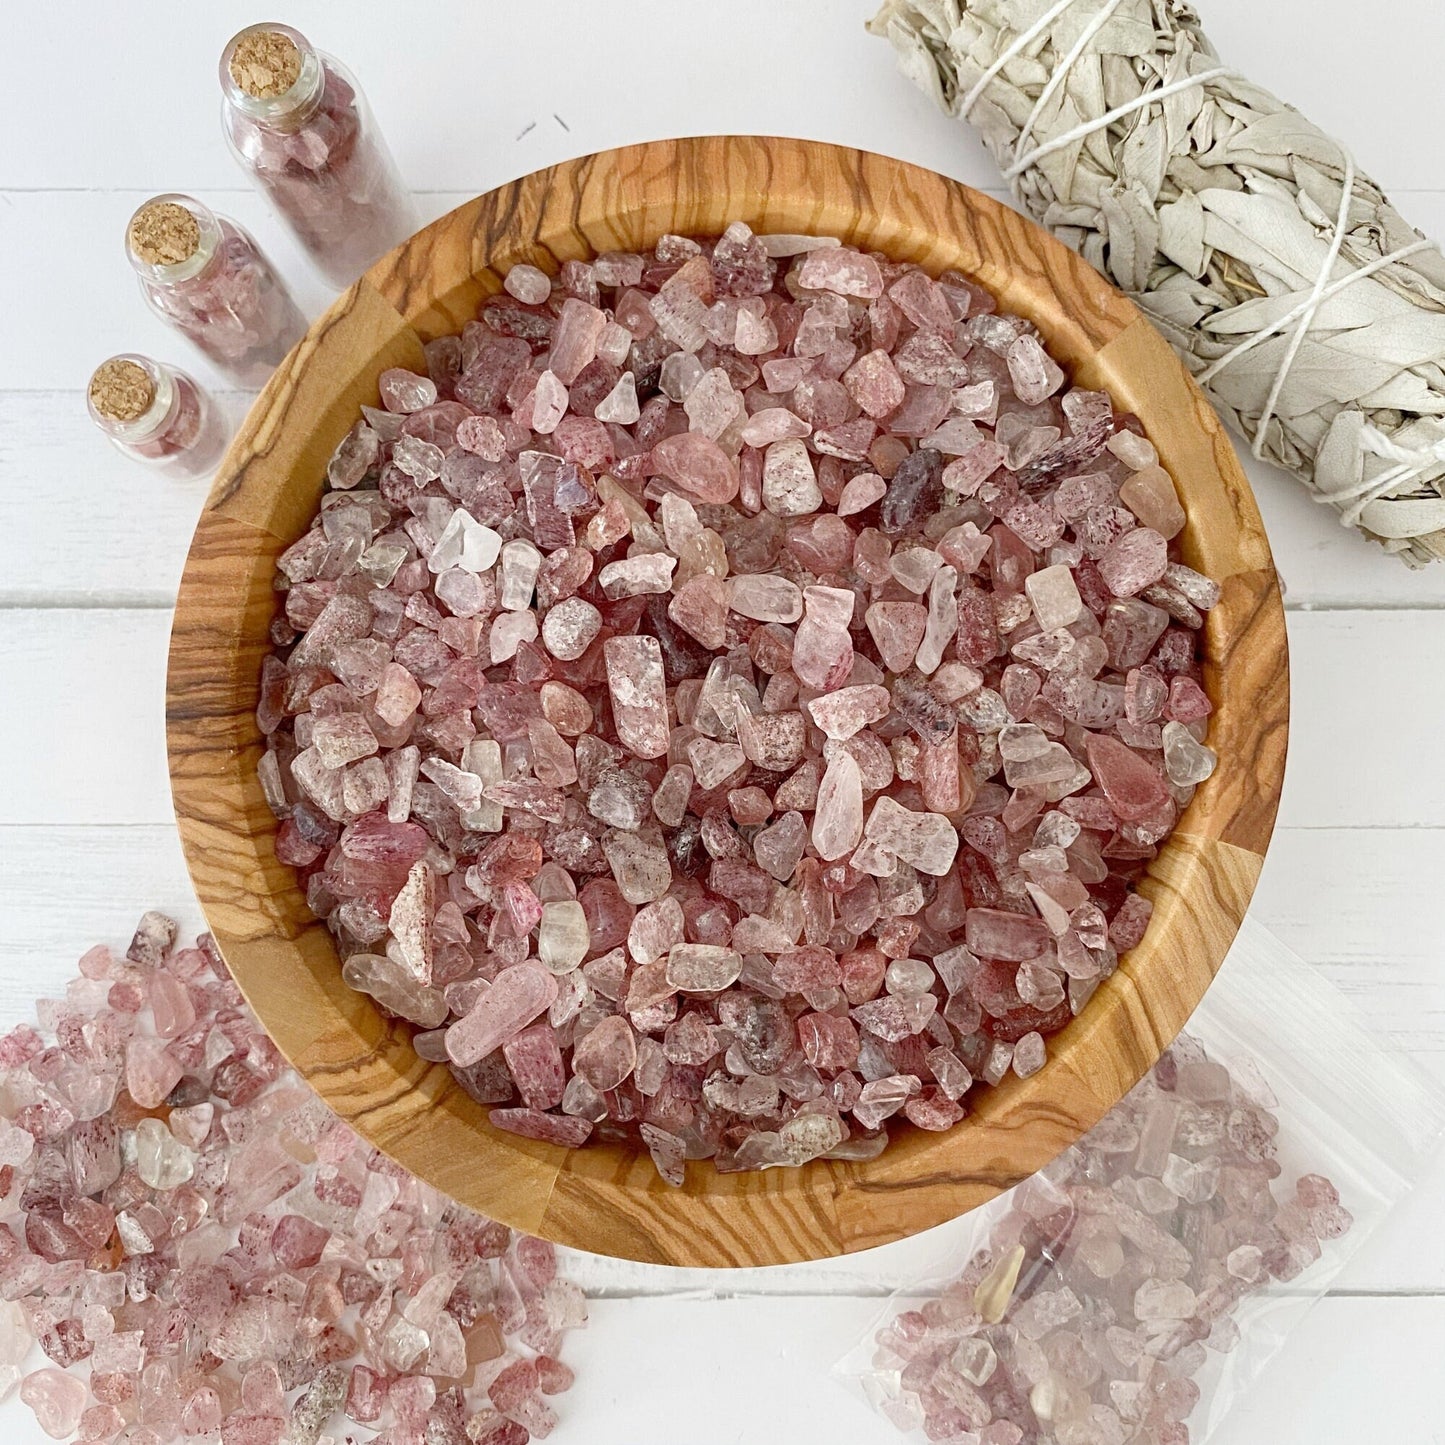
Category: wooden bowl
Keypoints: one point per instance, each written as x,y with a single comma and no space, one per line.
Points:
605,1197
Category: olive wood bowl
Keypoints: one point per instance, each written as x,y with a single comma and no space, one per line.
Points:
607,1197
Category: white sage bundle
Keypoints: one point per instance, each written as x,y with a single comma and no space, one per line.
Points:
1310,312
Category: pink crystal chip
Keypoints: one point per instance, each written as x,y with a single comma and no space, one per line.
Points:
735,677
510,1003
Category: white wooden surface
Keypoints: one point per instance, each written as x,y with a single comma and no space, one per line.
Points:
99,113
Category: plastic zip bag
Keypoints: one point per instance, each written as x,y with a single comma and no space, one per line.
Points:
1130,1292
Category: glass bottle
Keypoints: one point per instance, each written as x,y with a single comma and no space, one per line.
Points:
205,276
296,121
157,415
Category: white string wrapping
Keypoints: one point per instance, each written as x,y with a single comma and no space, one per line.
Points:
1253,212
1088,128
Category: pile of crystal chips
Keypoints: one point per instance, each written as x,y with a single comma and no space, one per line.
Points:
1114,1276
183,1219
725,702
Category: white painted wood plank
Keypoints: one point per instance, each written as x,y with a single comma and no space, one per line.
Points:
73,328
1358,903
509,88
86,526
1346,901
65,888
1364,750
1367,693
746,1370
1359,1369
79,233
126,529
83,725
765,1371
757,65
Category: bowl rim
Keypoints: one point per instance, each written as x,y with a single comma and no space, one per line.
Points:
603,1197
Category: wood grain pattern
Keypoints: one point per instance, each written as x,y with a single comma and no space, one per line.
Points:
604,1198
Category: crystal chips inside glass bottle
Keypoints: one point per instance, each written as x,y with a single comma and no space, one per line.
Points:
157,414
301,129
204,275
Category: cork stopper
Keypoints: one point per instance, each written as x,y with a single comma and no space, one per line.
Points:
120,390
163,234
265,64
